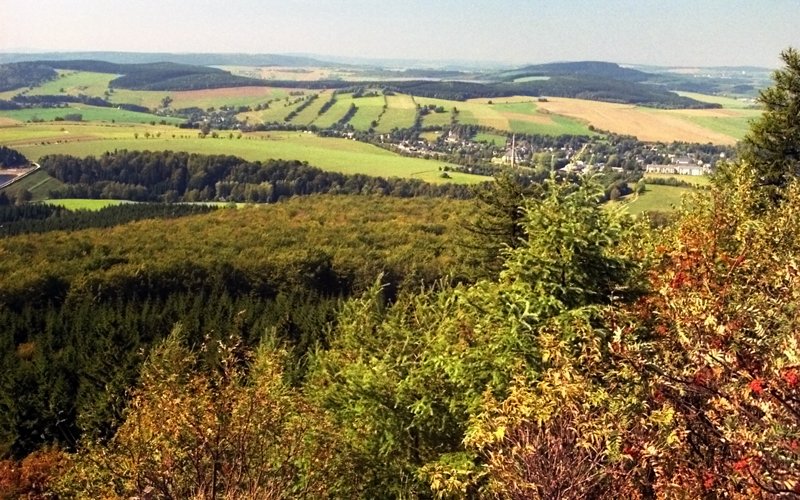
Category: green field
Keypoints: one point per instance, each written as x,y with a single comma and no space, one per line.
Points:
277,111
30,134
657,199
369,110
234,97
518,114
84,204
335,112
725,102
203,99
559,125
514,107
88,113
437,119
698,180
340,155
96,85
515,114
734,126
75,83
470,112
496,139
400,113
150,99
311,112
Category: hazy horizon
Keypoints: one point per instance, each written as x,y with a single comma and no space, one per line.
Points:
710,33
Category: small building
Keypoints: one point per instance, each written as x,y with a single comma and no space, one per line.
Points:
683,169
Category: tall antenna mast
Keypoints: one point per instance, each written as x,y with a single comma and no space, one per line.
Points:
513,151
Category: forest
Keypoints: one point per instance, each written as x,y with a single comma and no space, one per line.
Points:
531,342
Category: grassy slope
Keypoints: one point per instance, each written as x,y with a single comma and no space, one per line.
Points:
277,111
657,198
89,113
311,112
726,102
514,114
733,126
369,109
698,180
437,119
400,113
235,97
75,83
335,112
96,84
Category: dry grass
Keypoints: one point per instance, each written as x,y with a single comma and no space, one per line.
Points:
646,124
302,74
192,97
503,100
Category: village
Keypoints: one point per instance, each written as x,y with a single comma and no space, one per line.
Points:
568,154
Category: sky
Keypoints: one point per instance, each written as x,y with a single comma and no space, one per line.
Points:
666,33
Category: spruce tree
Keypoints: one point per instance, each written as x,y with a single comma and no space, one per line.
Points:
772,146
499,225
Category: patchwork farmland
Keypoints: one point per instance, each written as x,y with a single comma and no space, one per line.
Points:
41,131
382,113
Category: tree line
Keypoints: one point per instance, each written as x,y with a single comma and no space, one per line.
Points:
41,217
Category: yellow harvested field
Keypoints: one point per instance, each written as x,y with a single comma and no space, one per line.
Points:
401,101
222,94
646,124
8,122
715,113
502,100
300,74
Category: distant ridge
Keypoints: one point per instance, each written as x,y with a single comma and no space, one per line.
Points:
136,76
584,80
201,59
597,69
